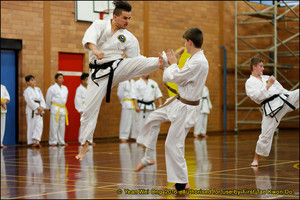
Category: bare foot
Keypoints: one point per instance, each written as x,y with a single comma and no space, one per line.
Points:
92,143
196,136
53,145
204,136
3,147
254,163
141,166
85,148
65,144
123,141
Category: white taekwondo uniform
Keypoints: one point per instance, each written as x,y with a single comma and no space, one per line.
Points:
34,98
190,81
113,47
79,102
56,99
146,93
4,95
256,90
127,92
205,105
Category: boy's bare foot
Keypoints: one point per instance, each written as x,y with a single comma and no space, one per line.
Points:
254,163
85,148
92,143
123,141
141,166
3,147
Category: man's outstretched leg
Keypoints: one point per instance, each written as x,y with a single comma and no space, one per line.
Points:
85,148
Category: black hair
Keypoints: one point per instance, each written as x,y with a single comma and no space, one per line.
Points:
27,78
195,35
57,75
121,6
255,61
84,76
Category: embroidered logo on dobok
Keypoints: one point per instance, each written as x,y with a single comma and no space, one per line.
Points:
122,38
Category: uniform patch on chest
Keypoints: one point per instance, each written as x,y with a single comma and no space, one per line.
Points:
122,38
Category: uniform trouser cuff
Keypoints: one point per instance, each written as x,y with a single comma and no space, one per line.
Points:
149,155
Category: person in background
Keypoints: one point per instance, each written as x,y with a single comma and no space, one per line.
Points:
79,100
127,96
5,98
56,99
35,105
201,123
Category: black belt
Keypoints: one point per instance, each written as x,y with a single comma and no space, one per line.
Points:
146,103
36,101
275,112
97,67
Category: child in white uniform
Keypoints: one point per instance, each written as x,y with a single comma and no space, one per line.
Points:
35,105
5,98
127,96
182,110
275,100
56,99
201,124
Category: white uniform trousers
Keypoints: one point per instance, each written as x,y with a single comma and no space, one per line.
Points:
269,125
57,129
3,120
128,68
127,124
34,128
174,146
140,121
79,135
201,124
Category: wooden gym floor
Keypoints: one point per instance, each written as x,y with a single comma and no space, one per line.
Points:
219,168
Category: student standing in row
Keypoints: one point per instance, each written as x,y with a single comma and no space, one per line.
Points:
5,98
35,105
56,99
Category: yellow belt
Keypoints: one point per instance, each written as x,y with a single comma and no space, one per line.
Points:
131,101
57,115
2,99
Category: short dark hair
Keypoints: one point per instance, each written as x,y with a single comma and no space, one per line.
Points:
27,78
255,61
84,76
57,75
121,6
195,35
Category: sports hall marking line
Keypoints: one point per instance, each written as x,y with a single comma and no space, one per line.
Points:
44,194
296,165
243,179
236,169
254,176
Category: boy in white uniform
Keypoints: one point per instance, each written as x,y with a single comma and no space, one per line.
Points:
79,100
182,110
147,91
275,100
56,99
127,96
5,98
201,124
106,42
35,105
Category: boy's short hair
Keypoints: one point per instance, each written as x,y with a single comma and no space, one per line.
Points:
27,78
84,76
121,6
57,75
195,35
255,61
